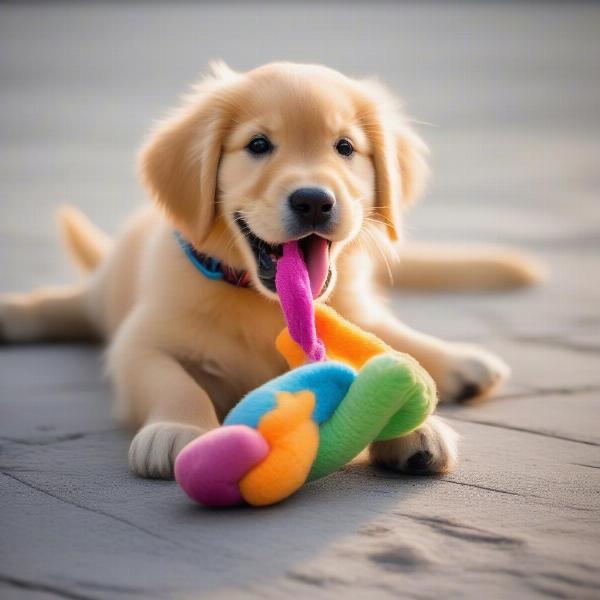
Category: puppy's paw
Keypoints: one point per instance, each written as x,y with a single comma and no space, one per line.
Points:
17,320
4,320
430,449
3,337
155,447
469,372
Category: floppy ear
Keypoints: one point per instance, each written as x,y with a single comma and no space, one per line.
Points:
411,152
179,162
400,166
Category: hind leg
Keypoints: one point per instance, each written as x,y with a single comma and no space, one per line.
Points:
47,314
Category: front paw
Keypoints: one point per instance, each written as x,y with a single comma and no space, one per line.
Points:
155,447
13,327
469,372
428,450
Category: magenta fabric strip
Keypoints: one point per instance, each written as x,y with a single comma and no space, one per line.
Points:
293,288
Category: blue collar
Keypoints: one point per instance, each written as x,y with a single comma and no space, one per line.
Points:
211,267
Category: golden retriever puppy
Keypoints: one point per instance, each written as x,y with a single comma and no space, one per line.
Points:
248,162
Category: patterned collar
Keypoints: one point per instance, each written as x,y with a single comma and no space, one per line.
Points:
211,267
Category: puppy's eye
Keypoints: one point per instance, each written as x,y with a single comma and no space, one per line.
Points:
344,147
259,144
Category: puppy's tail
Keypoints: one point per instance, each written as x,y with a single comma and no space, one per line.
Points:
439,267
85,242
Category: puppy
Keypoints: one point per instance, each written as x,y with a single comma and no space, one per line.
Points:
246,163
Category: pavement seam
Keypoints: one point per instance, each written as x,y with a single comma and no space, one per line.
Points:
35,586
543,392
93,510
67,437
522,430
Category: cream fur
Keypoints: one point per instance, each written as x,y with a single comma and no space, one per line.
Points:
183,350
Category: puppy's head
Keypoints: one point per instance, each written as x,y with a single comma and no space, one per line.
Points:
284,152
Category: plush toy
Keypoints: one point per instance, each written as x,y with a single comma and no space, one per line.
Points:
313,419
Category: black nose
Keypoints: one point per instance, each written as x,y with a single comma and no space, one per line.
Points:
312,206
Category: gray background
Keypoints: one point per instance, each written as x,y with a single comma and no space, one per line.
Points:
508,96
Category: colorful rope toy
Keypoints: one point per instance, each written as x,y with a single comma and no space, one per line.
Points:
313,419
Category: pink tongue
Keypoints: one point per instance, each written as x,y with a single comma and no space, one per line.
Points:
294,286
316,256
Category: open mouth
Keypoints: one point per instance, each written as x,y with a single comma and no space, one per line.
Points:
315,251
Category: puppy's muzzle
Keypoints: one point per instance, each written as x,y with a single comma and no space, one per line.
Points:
312,208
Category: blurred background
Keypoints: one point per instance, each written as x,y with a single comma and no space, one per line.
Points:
505,94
